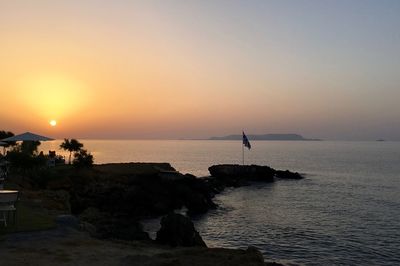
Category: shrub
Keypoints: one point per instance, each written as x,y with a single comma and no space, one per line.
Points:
29,147
24,160
83,158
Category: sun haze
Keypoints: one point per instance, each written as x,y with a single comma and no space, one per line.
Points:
178,69
53,123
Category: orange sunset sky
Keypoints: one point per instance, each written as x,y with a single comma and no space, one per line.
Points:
194,69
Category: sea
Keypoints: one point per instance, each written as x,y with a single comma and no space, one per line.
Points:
345,212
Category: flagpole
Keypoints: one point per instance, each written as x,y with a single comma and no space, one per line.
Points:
242,148
242,153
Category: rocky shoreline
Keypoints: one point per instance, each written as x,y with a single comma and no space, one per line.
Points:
68,246
110,200
113,198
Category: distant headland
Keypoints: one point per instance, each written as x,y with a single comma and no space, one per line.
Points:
265,137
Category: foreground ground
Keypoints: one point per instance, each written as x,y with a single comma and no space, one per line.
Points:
66,246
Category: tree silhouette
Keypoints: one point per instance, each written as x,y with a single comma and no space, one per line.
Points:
72,146
7,134
29,147
83,158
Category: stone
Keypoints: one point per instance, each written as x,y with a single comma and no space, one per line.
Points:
288,175
178,230
238,175
67,221
255,252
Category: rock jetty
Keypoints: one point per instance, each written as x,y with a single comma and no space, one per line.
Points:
235,175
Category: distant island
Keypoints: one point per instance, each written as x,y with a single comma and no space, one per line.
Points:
265,137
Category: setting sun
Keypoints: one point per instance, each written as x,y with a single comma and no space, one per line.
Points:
53,123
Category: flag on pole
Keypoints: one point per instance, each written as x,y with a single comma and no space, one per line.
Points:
246,142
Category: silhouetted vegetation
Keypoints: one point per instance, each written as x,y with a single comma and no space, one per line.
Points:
72,145
6,134
83,158
22,156
29,147
24,160
37,169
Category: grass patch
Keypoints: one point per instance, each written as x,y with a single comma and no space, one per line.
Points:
29,218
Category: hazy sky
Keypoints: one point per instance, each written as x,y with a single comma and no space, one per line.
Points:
192,69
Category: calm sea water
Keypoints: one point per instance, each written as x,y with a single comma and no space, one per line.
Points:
346,211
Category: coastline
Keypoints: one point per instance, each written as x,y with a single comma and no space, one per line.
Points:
111,199
67,246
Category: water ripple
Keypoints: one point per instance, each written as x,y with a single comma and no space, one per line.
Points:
312,223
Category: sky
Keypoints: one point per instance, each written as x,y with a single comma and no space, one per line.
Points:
194,69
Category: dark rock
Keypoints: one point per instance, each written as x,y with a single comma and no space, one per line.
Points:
103,225
141,194
254,253
67,221
178,230
273,264
234,175
238,175
122,197
170,175
288,175
124,229
194,193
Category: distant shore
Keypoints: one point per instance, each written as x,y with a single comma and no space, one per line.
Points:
292,137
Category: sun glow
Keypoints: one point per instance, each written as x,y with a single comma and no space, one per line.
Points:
53,95
53,123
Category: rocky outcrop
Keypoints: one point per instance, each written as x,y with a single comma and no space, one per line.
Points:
102,225
140,195
178,230
287,175
111,199
236,175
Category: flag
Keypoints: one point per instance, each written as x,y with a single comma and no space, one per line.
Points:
246,142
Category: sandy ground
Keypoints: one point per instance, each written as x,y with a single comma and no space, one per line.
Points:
66,246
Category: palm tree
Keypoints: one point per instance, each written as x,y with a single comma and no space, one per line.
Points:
72,146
